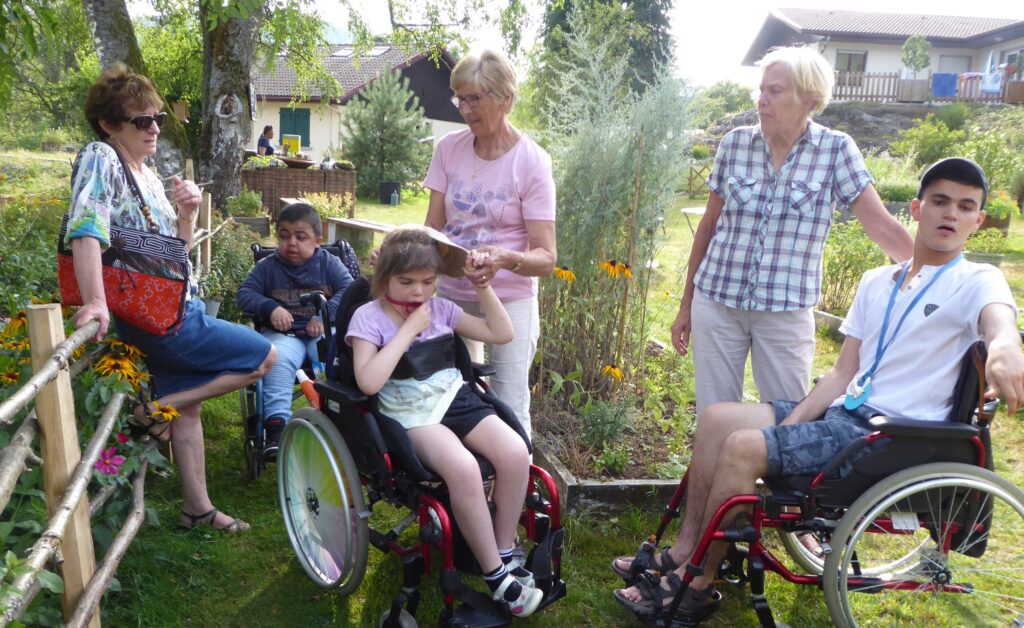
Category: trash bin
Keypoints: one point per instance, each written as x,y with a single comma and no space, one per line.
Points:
387,188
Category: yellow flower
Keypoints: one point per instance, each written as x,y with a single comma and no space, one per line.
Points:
611,267
125,349
16,325
20,344
121,366
624,270
9,377
563,273
164,414
613,372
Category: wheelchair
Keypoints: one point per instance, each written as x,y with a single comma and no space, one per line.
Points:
921,512
251,397
336,464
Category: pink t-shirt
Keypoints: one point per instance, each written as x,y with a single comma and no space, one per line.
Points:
487,202
370,323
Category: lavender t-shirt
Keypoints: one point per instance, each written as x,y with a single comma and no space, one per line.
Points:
371,323
487,202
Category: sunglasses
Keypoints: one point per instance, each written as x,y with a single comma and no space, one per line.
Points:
145,121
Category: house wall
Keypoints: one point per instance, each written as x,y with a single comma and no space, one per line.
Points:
887,57
324,126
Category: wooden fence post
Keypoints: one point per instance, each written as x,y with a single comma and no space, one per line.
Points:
205,222
60,450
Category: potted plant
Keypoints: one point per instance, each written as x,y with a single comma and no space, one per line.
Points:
998,209
916,57
987,245
246,208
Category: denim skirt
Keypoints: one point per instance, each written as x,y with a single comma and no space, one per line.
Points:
201,350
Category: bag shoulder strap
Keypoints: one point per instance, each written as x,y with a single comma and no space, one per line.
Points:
134,185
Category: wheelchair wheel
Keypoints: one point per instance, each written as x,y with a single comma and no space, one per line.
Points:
952,534
322,502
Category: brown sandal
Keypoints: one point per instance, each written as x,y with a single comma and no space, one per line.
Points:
207,519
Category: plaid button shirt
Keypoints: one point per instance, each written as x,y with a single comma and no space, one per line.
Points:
765,254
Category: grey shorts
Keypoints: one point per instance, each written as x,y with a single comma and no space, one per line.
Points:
804,448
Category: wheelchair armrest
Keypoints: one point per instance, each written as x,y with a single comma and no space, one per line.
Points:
895,426
338,391
483,370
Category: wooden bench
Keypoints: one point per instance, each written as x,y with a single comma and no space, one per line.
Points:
357,231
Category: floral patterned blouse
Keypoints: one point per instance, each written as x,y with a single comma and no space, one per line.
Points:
101,196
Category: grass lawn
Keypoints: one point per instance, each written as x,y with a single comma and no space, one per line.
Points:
171,577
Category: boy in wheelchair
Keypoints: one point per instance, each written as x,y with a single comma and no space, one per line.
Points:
397,342
905,334
271,294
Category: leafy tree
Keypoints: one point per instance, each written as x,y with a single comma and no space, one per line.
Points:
718,100
916,53
382,133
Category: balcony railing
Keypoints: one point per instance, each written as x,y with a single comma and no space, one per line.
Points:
889,87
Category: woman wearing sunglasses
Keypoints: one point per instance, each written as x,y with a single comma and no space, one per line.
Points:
205,357
491,190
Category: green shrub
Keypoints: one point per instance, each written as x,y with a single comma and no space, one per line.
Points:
995,153
258,162
897,191
1016,187
987,241
928,142
246,203
1000,205
332,205
849,253
604,421
700,152
28,237
613,459
230,265
954,115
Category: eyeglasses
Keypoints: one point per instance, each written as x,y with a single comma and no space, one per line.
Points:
472,100
143,122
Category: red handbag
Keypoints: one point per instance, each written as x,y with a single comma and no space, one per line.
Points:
145,275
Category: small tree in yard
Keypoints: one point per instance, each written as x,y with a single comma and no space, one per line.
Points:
917,54
382,134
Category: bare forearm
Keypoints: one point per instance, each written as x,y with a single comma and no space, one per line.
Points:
495,316
373,373
89,270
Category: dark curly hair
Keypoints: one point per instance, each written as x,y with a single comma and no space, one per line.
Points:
403,250
112,94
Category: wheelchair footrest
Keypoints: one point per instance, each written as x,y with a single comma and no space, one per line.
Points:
470,617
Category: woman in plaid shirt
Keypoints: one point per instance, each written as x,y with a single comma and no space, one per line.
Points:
755,267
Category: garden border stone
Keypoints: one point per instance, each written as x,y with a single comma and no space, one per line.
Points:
577,494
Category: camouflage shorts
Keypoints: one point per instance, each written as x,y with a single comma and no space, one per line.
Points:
804,448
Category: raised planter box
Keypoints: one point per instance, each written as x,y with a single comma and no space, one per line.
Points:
257,224
277,183
1015,92
577,494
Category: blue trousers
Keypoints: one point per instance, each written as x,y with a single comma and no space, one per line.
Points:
292,352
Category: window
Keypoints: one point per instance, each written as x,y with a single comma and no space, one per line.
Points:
295,122
850,61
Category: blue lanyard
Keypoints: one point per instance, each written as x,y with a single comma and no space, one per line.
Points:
884,345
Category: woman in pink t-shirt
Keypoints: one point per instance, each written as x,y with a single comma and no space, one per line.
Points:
491,190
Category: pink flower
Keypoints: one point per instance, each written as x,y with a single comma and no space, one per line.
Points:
109,462
122,438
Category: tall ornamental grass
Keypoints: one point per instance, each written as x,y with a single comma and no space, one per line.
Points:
617,156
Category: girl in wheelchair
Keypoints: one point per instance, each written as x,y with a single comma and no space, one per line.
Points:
393,341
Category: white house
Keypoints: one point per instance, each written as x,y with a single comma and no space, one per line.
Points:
860,41
319,123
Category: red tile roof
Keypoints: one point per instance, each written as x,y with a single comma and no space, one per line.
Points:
835,22
279,83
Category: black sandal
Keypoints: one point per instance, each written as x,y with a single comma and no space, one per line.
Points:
661,562
653,596
207,519
696,606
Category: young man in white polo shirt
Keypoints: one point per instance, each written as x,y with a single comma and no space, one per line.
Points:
908,328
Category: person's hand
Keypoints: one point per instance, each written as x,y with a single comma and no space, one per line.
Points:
186,196
681,330
419,319
281,319
94,310
374,254
314,328
479,268
1004,372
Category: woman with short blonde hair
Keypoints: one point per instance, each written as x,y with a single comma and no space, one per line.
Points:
812,76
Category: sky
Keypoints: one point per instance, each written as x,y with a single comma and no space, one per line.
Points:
713,37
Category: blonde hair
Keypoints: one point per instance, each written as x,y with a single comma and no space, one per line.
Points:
490,70
813,77
403,250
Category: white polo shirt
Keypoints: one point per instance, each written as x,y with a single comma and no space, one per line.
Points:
918,372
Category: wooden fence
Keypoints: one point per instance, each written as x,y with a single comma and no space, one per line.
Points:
696,179
67,537
866,86
889,87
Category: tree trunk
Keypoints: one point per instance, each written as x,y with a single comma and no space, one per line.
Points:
114,38
229,51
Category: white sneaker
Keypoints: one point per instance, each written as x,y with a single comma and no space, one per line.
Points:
527,602
517,567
